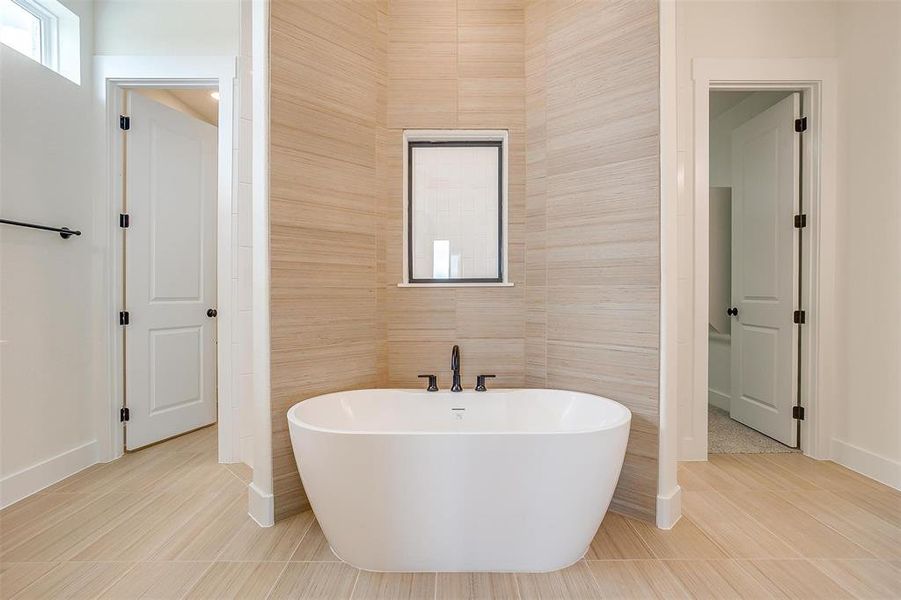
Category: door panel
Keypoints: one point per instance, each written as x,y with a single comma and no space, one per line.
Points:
170,272
765,198
758,367
176,368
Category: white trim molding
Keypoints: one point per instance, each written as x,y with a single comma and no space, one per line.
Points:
260,506
875,466
669,506
815,78
30,480
114,74
719,399
262,502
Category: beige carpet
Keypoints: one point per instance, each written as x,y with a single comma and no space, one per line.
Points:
725,436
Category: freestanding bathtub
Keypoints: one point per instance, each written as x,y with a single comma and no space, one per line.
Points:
504,480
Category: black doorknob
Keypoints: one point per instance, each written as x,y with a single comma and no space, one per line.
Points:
211,312
732,311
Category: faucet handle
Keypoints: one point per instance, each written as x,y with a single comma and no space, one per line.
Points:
433,382
480,382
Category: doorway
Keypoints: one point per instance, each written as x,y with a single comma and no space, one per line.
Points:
117,77
756,224
168,220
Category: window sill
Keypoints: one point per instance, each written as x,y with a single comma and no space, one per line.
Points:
454,285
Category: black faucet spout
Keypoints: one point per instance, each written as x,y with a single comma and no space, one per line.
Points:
455,367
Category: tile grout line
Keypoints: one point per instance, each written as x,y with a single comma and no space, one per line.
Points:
198,580
303,536
685,518
235,475
25,589
353,588
276,580
787,541
121,576
594,580
813,563
49,525
227,542
756,522
827,525
744,565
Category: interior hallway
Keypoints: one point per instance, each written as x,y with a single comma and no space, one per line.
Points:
169,522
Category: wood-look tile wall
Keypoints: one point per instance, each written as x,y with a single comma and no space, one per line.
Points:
327,72
592,250
575,84
455,64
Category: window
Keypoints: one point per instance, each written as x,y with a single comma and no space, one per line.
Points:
455,207
21,30
44,31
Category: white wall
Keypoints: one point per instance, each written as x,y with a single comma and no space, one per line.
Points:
204,28
51,322
740,29
719,384
167,27
54,363
868,422
864,37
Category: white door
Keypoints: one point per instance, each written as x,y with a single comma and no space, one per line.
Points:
765,198
170,273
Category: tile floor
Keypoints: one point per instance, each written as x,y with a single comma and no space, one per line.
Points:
168,522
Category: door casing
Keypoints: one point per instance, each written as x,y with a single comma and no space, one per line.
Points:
815,79
115,74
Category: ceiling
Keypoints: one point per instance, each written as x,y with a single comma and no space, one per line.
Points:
200,102
720,102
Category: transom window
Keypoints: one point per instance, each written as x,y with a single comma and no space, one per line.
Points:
455,192
45,31
26,28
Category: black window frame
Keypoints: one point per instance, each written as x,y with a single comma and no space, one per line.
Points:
499,144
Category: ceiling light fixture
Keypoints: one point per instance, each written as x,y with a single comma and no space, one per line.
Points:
214,96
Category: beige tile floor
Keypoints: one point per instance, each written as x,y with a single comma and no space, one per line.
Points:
168,522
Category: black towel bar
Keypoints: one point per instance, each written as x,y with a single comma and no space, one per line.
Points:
64,232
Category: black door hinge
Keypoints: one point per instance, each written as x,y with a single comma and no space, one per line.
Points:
124,122
801,124
798,413
123,317
800,221
800,317
123,414
123,221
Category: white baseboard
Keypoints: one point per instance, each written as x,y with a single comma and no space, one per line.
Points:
261,507
669,508
33,479
874,466
719,399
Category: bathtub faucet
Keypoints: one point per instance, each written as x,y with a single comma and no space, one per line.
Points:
455,367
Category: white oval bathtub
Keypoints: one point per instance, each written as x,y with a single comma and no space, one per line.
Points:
504,480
